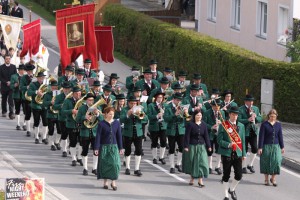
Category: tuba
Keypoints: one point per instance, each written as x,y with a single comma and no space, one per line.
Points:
77,105
93,122
40,69
39,99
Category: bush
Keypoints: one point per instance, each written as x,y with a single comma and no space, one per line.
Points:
221,64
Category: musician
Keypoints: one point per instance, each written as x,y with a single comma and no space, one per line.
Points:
153,68
107,96
132,134
72,127
58,103
197,79
113,79
164,84
168,73
88,73
79,77
24,85
16,11
148,83
193,100
181,79
212,118
157,126
119,104
69,71
214,95
17,94
175,130
52,117
87,134
177,88
96,87
38,110
232,150
5,7
250,116
132,79
228,102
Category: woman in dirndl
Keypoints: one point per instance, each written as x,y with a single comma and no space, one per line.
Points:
196,141
108,145
270,147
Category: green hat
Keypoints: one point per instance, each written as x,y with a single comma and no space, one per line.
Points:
29,67
87,60
197,76
66,84
227,92
136,88
176,86
89,95
80,71
195,87
182,73
147,71
120,96
76,89
164,80
135,68
69,68
132,98
249,97
167,69
96,83
53,83
177,95
234,109
153,61
215,102
107,88
215,91
114,75
40,74
21,66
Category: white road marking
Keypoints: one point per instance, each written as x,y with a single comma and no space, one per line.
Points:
13,161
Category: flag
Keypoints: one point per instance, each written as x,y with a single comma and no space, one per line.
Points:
76,34
32,38
11,27
105,43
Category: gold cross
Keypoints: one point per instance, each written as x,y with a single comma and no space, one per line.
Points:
75,2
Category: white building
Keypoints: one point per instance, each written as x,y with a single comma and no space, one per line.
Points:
257,25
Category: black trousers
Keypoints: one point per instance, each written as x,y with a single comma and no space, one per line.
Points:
18,104
137,141
62,127
252,140
161,134
73,134
7,97
37,115
85,142
51,124
178,139
236,163
213,143
27,110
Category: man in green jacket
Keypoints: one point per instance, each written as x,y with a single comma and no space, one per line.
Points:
193,100
37,109
197,79
250,116
132,79
148,83
79,78
164,85
232,148
228,102
69,71
153,66
88,73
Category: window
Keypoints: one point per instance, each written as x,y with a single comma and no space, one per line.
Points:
212,10
236,14
262,16
283,20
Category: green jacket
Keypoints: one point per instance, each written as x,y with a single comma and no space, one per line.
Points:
224,141
47,104
58,103
243,118
33,88
24,82
154,124
128,123
60,80
66,112
152,94
204,88
173,120
232,104
210,120
15,78
129,84
188,100
141,84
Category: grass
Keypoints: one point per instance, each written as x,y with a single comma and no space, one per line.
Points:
39,10
127,61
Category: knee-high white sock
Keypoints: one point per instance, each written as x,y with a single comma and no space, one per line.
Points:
57,138
154,153
79,151
85,161
73,153
244,164
45,131
162,152
171,158
127,160
24,123
137,162
226,187
95,162
51,141
179,158
18,120
252,158
218,156
28,125
36,132
210,161
63,144
234,184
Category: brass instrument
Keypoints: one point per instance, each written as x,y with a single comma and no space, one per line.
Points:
184,114
162,111
69,95
168,92
138,111
77,105
28,98
93,121
116,91
227,104
53,99
39,69
39,99
213,97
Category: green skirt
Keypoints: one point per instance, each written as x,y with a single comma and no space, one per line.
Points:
270,160
109,164
194,162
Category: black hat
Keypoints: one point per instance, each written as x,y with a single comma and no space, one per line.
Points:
153,61
147,71
195,87
76,89
89,95
132,98
182,73
234,109
114,75
96,83
40,74
135,68
29,67
53,83
176,86
107,88
136,88
249,97
215,91
69,68
21,66
164,80
227,91
167,69
80,71
159,93
87,61
120,96
215,102
197,76
177,95
66,84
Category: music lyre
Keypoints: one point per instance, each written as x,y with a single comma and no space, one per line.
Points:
75,2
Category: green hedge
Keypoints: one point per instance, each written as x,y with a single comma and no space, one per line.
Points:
221,64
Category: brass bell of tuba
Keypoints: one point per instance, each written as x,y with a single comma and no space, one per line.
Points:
93,122
39,99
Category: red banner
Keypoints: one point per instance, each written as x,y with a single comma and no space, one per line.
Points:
76,34
233,135
105,43
32,38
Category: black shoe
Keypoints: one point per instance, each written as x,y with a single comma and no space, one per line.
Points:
28,133
113,187
251,168
45,141
4,115
167,146
138,173
154,161
105,187
218,170
127,171
11,116
244,170
233,195
40,135
210,170
226,198
53,148
80,162
172,171
124,163
162,160
178,168
201,185
73,163
64,154
85,172
24,128
37,141
94,171
18,128
58,146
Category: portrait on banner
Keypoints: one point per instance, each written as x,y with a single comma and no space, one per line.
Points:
75,34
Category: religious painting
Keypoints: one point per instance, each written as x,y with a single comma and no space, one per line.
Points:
75,34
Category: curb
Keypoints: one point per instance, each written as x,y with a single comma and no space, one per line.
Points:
291,164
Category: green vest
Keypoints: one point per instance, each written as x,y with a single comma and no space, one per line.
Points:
154,124
173,121
243,118
15,78
58,103
47,104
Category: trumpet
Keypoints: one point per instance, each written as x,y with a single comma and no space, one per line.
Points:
93,121
162,111
138,112
39,99
183,111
